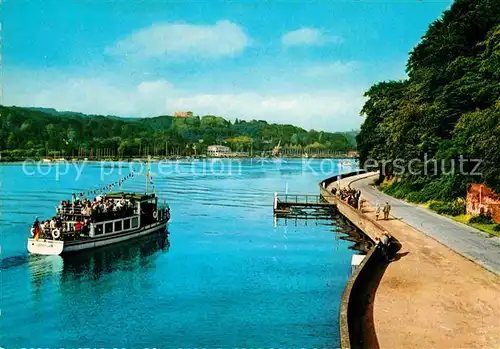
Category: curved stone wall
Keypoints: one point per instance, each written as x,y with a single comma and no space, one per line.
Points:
360,287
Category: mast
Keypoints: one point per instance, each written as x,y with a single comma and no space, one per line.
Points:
149,175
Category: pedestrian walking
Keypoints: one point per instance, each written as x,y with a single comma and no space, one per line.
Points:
377,210
360,204
386,210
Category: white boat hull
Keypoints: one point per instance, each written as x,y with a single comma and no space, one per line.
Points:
56,247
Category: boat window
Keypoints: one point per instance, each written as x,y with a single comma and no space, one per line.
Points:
118,225
98,229
109,228
126,224
135,222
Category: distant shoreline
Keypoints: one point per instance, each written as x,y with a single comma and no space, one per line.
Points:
171,158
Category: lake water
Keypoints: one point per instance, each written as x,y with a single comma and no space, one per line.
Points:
227,275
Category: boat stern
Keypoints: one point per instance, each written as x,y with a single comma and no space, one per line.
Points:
45,247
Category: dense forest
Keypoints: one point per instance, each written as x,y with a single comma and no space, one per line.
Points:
447,109
39,132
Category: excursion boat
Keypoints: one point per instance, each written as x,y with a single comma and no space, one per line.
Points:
110,218
346,163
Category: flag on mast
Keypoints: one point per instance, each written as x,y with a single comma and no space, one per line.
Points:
37,233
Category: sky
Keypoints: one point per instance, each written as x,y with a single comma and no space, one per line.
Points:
306,63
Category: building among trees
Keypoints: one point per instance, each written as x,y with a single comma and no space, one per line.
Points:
218,150
183,114
483,200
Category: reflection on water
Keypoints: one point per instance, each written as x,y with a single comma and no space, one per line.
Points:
93,264
43,268
361,242
348,232
130,255
342,229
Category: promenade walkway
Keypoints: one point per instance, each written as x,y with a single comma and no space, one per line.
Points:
430,296
469,242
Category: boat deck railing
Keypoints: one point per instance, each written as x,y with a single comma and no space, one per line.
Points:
77,213
71,210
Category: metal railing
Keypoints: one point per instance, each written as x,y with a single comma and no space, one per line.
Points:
303,198
299,198
68,210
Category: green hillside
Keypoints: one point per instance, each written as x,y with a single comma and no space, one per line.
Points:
447,110
38,132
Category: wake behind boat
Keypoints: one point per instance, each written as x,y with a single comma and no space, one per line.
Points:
108,219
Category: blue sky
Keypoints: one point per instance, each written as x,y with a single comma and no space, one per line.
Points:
304,63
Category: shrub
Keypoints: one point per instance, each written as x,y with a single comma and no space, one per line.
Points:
454,208
424,189
415,197
483,218
496,227
401,189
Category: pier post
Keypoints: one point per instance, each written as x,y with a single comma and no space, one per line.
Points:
275,206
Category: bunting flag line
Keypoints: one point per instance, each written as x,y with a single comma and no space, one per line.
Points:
104,188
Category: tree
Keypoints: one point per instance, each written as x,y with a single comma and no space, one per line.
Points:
34,131
446,109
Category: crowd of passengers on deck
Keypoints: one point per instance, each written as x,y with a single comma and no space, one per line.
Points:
47,227
100,205
82,213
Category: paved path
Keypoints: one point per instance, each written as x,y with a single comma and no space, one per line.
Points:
429,296
471,243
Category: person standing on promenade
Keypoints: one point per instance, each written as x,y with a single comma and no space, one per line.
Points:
377,210
386,210
360,204
383,241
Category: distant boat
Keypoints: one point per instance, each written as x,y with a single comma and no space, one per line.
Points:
346,163
46,160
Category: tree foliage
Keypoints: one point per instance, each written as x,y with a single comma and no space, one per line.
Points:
41,132
448,107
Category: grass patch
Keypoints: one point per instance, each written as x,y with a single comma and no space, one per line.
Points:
487,228
454,209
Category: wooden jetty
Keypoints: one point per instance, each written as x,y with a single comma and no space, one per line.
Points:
285,204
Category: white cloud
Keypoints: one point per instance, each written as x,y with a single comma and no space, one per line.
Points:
106,97
325,110
224,38
329,110
308,37
330,68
